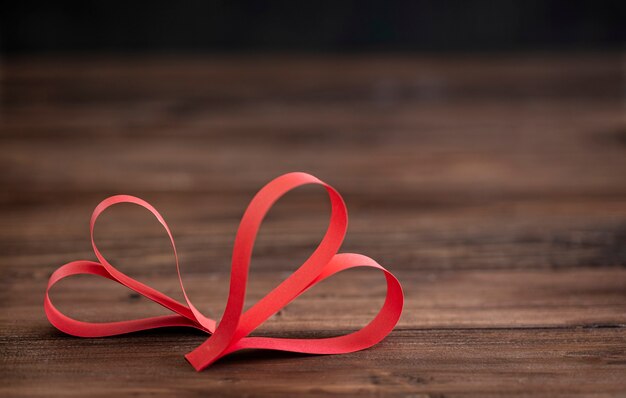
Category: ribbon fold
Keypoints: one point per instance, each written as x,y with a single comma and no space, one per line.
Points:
232,332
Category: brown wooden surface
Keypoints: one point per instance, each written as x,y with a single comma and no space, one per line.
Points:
494,188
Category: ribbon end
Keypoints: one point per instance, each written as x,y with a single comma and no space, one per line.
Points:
198,361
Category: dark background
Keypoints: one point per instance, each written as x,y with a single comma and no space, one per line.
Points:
313,26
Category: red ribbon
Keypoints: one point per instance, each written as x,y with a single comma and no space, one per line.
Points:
231,333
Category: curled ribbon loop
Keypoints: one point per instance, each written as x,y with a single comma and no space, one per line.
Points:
232,332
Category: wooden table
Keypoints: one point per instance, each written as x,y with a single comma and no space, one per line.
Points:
494,187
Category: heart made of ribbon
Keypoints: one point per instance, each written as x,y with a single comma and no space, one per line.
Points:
232,332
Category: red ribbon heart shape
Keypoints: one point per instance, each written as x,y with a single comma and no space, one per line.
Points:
231,333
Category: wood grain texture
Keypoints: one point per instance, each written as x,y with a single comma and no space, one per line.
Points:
493,187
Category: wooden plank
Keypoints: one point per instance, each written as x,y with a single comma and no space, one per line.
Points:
500,233
441,300
544,362
463,332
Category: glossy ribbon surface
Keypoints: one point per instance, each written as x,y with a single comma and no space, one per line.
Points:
232,332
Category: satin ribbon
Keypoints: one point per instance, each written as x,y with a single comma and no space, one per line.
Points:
232,332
